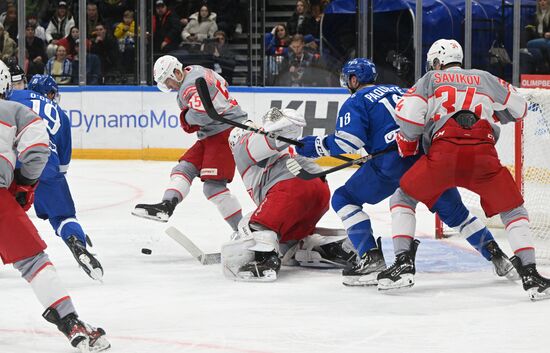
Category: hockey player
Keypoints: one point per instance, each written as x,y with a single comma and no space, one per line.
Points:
53,199
209,158
24,138
454,112
288,208
366,120
18,78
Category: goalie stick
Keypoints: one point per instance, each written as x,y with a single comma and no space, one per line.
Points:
204,94
295,168
183,240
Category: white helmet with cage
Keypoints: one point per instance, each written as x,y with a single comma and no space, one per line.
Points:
5,79
164,69
444,52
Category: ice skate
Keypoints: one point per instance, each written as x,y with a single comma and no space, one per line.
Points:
401,273
501,263
263,269
365,272
537,287
85,259
82,336
157,212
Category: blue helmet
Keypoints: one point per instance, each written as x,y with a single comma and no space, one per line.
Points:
362,68
43,84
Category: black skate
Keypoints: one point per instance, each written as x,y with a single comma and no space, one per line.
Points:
263,269
401,273
158,212
81,335
537,287
335,253
365,272
85,259
501,263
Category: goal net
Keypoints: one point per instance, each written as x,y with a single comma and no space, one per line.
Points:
524,148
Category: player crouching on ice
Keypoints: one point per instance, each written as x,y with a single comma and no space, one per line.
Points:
453,111
287,210
210,157
53,199
24,139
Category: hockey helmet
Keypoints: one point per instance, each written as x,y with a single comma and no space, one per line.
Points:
444,52
44,84
363,69
17,74
277,119
5,79
164,69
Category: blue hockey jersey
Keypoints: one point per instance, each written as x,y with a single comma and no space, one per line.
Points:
367,119
58,126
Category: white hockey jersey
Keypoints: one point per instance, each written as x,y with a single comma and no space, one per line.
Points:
261,162
439,94
189,101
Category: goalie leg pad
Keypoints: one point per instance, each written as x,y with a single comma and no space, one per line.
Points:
236,254
325,251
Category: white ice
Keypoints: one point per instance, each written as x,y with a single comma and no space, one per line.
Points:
168,302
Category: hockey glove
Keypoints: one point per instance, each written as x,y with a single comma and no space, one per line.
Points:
407,147
186,127
23,190
314,147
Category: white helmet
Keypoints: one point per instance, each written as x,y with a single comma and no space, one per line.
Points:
278,119
444,52
164,69
5,79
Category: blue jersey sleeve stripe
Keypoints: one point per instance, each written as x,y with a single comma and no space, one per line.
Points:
345,146
350,138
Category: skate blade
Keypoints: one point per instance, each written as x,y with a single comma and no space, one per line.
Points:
511,274
361,281
535,295
268,276
406,281
95,273
159,217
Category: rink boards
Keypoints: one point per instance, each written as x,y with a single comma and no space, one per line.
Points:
132,122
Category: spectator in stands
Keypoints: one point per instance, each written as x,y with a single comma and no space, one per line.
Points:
166,29
93,18
93,67
185,8
113,10
70,42
39,31
202,25
9,21
36,51
539,35
60,24
276,42
224,58
301,21
8,47
125,34
59,67
298,67
106,47
317,14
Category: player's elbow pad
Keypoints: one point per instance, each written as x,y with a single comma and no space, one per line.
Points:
407,147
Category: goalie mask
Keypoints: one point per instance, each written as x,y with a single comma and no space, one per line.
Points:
164,69
277,120
444,52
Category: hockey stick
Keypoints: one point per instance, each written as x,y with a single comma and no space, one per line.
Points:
295,168
183,240
204,94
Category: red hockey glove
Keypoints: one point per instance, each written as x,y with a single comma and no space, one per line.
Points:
23,190
186,127
406,147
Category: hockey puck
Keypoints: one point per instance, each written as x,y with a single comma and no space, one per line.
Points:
146,251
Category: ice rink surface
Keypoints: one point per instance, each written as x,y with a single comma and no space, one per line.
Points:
168,302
